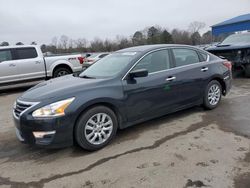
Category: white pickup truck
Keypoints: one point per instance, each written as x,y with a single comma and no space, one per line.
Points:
26,64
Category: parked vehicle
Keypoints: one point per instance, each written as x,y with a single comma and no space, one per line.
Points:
90,60
235,48
125,88
22,64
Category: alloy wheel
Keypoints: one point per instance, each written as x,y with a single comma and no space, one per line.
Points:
98,128
214,94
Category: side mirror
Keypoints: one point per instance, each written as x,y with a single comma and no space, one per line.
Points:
138,73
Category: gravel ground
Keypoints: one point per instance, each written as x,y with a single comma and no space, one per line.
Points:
191,148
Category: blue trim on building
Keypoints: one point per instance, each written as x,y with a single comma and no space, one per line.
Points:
241,18
239,23
242,26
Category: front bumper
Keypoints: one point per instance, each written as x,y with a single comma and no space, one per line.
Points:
48,133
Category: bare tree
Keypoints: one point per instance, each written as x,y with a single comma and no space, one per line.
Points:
207,37
181,37
196,26
64,41
54,41
138,38
81,43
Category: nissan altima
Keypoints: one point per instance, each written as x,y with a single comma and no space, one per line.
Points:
124,88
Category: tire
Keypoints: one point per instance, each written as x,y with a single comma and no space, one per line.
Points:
247,71
85,128
61,71
212,96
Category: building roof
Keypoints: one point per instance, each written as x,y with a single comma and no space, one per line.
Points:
242,18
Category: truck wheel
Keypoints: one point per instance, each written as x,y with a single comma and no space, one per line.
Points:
96,128
61,71
212,96
247,71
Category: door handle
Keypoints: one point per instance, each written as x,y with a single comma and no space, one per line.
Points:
204,69
38,62
171,78
12,65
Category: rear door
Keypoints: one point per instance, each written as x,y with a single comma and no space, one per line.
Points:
28,64
191,72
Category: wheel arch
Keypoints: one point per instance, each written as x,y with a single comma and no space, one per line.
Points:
61,66
106,104
222,83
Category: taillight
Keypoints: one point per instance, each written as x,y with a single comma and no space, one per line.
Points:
228,64
81,60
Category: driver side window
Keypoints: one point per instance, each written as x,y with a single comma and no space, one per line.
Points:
154,62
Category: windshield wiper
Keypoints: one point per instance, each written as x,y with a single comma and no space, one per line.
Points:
87,77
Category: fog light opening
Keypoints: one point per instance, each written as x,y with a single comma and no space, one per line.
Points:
43,134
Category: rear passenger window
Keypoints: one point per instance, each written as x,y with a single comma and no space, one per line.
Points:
204,56
155,61
185,57
5,55
26,53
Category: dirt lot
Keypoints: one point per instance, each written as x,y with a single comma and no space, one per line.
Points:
192,148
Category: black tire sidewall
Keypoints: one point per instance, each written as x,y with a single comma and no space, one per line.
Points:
60,69
81,123
206,103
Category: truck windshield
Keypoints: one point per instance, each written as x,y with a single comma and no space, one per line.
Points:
109,66
237,38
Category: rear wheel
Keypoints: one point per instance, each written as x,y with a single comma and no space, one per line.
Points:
212,96
96,128
247,71
61,71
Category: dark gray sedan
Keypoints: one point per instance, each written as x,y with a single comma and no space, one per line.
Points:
122,89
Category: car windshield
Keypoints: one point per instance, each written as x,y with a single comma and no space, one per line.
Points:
237,38
109,66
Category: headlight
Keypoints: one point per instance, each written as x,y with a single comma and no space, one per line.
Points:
53,110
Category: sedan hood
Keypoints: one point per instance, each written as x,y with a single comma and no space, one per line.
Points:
62,86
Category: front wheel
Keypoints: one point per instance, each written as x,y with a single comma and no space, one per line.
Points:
95,128
212,96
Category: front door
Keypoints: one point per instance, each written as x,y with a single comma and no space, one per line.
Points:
29,65
152,95
7,66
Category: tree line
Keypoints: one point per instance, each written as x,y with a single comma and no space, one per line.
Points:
149,35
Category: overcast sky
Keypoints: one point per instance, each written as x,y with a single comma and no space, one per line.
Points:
41,20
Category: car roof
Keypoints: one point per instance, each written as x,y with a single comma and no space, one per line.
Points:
145,48
18,46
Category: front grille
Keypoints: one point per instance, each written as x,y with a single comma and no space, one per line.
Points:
20,107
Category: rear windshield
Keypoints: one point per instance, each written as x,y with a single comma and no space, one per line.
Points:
237,38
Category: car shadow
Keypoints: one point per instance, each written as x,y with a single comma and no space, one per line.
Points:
13,151
11,91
